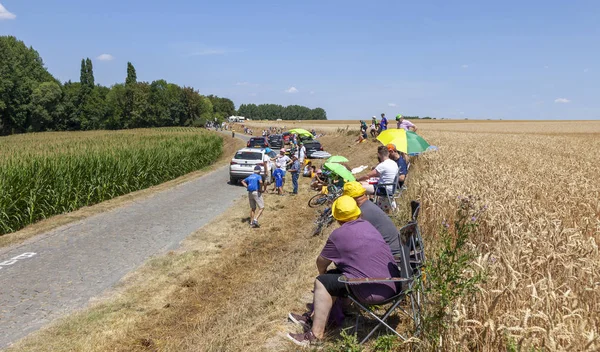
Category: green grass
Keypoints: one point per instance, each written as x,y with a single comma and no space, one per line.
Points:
44,174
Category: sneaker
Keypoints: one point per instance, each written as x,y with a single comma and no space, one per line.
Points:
256,223
303,320
305,340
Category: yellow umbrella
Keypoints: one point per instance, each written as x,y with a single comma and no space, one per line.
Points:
396,137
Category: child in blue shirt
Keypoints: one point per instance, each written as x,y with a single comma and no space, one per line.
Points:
278,176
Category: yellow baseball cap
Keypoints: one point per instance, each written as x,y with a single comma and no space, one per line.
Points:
353,189
345,209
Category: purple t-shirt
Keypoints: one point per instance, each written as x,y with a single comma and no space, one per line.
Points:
359,251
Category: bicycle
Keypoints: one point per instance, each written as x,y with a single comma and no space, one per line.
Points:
323,221
332,193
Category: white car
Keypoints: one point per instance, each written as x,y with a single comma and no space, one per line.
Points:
243,163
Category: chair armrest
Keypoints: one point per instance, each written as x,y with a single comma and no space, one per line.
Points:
371,280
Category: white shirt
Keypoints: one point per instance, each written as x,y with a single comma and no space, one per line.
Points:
302,153
387,170
267,162
283,160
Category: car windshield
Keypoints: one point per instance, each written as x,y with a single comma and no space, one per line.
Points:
248,156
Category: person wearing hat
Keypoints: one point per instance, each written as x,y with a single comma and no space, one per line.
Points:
278,176
400,159
401,122
374,215
301,152
253,184
283,161
266,176
358,251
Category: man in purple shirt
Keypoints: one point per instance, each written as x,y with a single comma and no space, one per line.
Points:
358,251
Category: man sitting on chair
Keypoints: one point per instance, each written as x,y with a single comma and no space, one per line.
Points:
386,170
374,215
358,251
399,158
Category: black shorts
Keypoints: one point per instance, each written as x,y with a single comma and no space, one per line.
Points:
332,285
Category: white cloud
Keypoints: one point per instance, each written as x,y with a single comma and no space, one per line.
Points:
246,84
291,90
105,57
393,105
465,66
206,52
5,15
562,101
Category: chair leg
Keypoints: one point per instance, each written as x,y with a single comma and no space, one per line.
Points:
380,320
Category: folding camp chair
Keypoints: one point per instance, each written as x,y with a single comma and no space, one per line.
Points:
409,264
381,191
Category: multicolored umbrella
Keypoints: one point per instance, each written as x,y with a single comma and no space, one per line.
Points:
405,141
337,159
340,170
301,132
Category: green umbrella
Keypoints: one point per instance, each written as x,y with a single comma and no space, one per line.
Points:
337,159
340,170
301,132
416,143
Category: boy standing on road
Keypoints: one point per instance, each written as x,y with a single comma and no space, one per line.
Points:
253,184
295,171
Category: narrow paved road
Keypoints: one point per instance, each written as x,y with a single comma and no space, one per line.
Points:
59,271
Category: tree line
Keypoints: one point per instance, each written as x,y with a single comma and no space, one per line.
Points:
274,112
32,100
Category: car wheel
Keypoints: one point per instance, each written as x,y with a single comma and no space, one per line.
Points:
233,180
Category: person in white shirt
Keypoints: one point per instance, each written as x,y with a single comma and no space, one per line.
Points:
267,164
283,160
301,153
386,170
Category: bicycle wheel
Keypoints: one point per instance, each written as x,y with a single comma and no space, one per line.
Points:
317,200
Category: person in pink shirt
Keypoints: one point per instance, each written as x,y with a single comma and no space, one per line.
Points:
401,122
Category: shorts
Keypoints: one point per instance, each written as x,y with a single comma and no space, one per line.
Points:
332,285
278,182
256,199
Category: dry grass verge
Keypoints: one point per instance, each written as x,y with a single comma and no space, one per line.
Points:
229,147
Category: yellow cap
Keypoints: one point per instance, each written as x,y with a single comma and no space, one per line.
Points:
353,189
345,209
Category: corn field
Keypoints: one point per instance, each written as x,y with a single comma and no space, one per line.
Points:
538,240
45,174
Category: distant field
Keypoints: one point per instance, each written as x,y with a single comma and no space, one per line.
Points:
530,126
45,174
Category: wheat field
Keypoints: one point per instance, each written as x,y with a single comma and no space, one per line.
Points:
538,241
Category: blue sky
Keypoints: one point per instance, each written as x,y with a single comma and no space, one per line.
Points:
453,59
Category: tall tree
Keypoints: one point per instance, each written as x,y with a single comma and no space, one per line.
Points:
131,75
90,72
83,76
